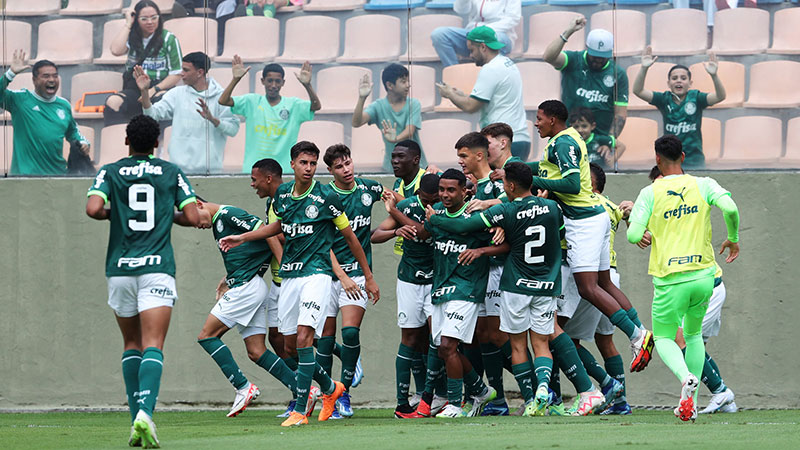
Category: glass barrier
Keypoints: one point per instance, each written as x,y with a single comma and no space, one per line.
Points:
382,71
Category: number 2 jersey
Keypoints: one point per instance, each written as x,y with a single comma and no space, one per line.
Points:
144,192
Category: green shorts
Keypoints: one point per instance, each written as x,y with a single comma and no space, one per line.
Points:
673,302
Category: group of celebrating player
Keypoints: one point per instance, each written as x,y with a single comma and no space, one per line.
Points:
496,255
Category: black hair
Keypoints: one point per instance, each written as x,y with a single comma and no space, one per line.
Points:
304,147
411,145
599,177
669,146
392,72
581,113
520,174
269,166
473,140
335,152
273,67
429,183
199,60
498,129
135,37
554,108
40,64
142,133
676,67
655,172
453,174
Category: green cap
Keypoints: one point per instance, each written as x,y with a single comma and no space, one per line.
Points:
485,35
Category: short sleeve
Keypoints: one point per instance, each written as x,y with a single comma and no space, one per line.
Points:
643,207
374,113
375,190
245,221
495,215
622,88
334,205
416,114
659,100
566,156
174,58
301,111
101,186
241,104
485,84
711,190
570,58
702,100
184,194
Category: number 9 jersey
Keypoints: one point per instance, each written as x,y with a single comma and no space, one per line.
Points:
144,192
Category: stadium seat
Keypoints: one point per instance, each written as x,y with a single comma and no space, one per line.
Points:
574,2
233,158
332,5
712,140
438,137
338,88
516,50
786,32
546,26
112,144
393,5
88,133
7,146
792,156
638,135
165,6
440,4
692,38
629,28
740,31
656,81
31,8
321,31
420,48
16,35
195,34
461,76
65,41
93,81
732,76
634,2
532,2
254,39
371,38
743,148
773,84
324,133
291,87
367,148
423,85
91,7
110,30
161,152
546,83
537,143
223,76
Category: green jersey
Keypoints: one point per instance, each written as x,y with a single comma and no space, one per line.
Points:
166,62
40,127
490,190
143,192
451,280
593,145
406,190
357,203
416,265
248,260
599,91
309,224
684,120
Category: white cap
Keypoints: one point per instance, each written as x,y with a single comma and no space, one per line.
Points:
600,43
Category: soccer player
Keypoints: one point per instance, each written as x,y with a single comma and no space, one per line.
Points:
144,192
564,171
682,107
414,281
406,158
308,214
601,149
676,210
500,137
357,196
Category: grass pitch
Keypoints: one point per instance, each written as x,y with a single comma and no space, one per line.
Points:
377,429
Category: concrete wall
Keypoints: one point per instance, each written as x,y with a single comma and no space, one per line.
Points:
60,345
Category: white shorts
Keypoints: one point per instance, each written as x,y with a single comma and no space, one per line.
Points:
454,319
588,243
491,304
272,305
244,307
587,320
339,297
413,304
128,296
303,301
713,318
521,313
569,299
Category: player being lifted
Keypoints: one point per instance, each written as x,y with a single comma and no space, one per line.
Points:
144,192
308,214
676,210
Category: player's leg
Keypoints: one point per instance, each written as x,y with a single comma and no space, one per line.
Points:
122,298
722,396
491,342
700,293
412,323
612,361
514,320
541,323
590,398
326,343
352,316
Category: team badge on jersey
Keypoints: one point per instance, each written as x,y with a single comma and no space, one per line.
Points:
366,199
61,114
488,188
284,114
312,211
690,108
220,226
608,80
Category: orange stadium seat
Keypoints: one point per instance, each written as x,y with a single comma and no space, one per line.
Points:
745,149
367,148
692,38
786,32
546,26
66,41
291,87
195,34
792,156
92,7
629,28
16,35
332,5
254,39
371,38
423,85
337,88
324,133
7,145
299,31
419,45
93,81
438,137
165,6
638,135
223,76
545,85
110,30
31,8
516,50
88,133
463,77
112,144
732,76
712,140
730,37
773,85
233,158
656,81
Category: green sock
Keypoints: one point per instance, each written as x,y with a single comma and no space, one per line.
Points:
150,378
221,355
616,369
592,367
418,370
130,373
324,380
278,369
454,388
522,372
570,363
351,349
542,367
305,371
473,354
291,363
621,320
337,350
473,383
711,376
402,372
505,349
435,369
325,352
634,316
493,365
555,376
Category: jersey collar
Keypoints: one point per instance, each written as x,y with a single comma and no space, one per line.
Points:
342,191
221,207
587,62
414,181
457,213
305,194
591,138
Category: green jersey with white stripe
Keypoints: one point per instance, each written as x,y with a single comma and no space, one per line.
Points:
248,260
416,265
357,203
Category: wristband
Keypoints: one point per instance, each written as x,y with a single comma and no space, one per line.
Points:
157,89
562,37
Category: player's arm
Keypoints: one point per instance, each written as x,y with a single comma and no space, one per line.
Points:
640,215
471,254
187,216
95,208
475,222
553,54
262,233
566,157
304,77
638,84
370,285
719,90
350,287
715,195
481,205
386,231
390,199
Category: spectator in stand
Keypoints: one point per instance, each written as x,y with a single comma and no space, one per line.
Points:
149,45
500,15
200,125
266,8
